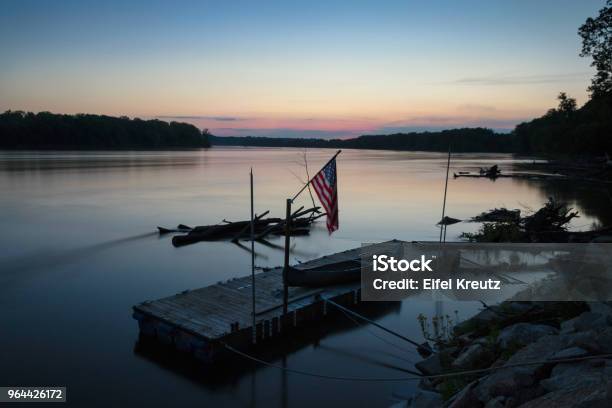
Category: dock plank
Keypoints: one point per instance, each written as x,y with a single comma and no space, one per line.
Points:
210,312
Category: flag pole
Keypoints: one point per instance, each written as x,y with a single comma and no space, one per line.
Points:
306,185
253,260
288,235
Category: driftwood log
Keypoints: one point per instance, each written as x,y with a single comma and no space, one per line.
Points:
300,225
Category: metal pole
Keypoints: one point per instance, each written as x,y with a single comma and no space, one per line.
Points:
445,190
253,260
286,266
306,185
288,237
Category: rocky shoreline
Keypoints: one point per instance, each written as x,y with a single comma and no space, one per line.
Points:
507,351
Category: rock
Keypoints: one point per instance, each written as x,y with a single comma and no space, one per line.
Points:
570,352
474,356
601,308
463,339
425,399
479,322
523,334
595,341
567,326
589,321
431,365
466,398
505,383
483,341
511,381
577,375
426,384
542,349
499,362
498,402
525,395
586,397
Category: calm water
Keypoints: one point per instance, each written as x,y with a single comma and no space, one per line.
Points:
79,249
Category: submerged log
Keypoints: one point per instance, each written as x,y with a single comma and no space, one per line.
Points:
235,231
247,227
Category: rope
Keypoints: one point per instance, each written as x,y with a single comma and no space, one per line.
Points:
410,378
369,330
414,343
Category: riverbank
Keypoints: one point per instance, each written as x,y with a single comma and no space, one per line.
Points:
527,354
587,169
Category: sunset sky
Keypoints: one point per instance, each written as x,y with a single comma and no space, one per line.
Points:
317,69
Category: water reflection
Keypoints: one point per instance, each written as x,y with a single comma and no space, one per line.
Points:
77,255
592,199
233,367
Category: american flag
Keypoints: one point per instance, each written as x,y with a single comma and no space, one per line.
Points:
327,190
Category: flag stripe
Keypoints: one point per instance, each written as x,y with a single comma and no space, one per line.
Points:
325,186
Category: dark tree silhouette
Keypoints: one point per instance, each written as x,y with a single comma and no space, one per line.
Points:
461,140
596,36
44,130
567,106
569,130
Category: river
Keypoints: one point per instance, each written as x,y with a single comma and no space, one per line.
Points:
80,249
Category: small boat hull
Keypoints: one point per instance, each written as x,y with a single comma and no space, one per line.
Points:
327,275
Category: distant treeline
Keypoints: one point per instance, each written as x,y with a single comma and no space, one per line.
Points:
44,130
462,140
562,130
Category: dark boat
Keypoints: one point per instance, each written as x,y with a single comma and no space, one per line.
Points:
325,275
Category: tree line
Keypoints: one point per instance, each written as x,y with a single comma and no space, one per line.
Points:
460,140
45,130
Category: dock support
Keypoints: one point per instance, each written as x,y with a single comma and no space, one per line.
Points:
286,266
254,339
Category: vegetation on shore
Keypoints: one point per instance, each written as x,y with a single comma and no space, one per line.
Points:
45,130
568,130
462,140
548,224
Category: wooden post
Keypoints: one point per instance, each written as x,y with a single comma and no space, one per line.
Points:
253,259
286,266
288,236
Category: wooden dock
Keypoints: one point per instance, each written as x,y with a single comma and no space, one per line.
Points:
200,321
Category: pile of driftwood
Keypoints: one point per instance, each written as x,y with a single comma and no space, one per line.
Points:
300,223
490,172
498,215
494,173
548,224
